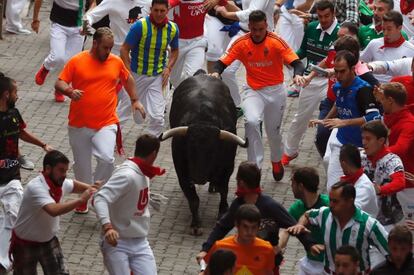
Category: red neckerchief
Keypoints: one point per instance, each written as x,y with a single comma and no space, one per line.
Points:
158,25
148,170
406,6
393,118
241,191
378,156
353,177
378,27
394,44
55,191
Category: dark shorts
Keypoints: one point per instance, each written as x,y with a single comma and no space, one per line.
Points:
48,254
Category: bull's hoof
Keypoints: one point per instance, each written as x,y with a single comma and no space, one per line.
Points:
196,231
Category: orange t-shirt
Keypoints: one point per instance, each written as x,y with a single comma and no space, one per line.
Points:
252,259
97,106
263,61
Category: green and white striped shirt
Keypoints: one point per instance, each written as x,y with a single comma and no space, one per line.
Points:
361,232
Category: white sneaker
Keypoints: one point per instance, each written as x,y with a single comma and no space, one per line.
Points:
25,163
18,31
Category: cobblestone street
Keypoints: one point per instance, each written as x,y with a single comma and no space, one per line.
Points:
175,250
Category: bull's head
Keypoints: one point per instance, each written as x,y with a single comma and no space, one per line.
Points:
203,145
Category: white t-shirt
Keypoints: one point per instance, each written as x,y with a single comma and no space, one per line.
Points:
267,6
70,4
122,14
376,52
366,197
33,223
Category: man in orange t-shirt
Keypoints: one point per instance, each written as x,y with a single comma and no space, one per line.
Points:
90,79
254,255
263,54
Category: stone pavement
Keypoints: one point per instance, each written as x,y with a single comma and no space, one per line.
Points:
174,248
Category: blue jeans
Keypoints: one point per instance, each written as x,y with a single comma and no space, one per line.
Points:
323,133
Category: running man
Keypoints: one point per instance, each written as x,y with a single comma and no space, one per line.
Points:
144,53
93,124
263,54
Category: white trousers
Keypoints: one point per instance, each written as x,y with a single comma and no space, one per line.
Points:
191,56
65,42
290,28
217,40
309,99
310,267
229,74
14,8
267,105
331,160
130,255
86,142
11,196
150,94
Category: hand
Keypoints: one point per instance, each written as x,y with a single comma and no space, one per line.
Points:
76,95
200,256
47,148
307,81
296,12
97,184
216,75
209,4
35,25
297,229
331,72
315,122
409,224
378,93
86,195
317,249
165,76
220,10
334,123
137,106
112,236
299,80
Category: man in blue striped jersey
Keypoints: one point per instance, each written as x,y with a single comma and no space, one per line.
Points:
344,224
144,52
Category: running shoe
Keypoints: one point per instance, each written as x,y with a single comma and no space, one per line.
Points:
287,159
25,163
41,75
293,93
83,209
277,170
59,97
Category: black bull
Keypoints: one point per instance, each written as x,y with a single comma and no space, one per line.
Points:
203,121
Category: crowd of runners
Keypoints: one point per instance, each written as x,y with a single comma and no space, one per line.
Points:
350,59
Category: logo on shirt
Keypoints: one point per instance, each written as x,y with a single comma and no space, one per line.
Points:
142,202
134,15
196,9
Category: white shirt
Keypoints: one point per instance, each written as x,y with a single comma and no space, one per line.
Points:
267,6
69,4
398,67
376,52
122,14
123,201
366,197
328,31
33,223
408,28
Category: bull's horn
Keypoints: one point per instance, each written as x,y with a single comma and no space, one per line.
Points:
177,131
225,135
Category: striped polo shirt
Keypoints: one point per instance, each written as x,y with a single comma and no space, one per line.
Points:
361,232
149,46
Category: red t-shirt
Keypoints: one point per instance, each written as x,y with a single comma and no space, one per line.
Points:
189,16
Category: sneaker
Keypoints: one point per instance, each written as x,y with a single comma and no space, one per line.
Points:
286,159
83,209
293,93
18,31
277,170
59,97
25,163
41,75
240,112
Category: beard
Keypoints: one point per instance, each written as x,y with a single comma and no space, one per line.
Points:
11,104
57,181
